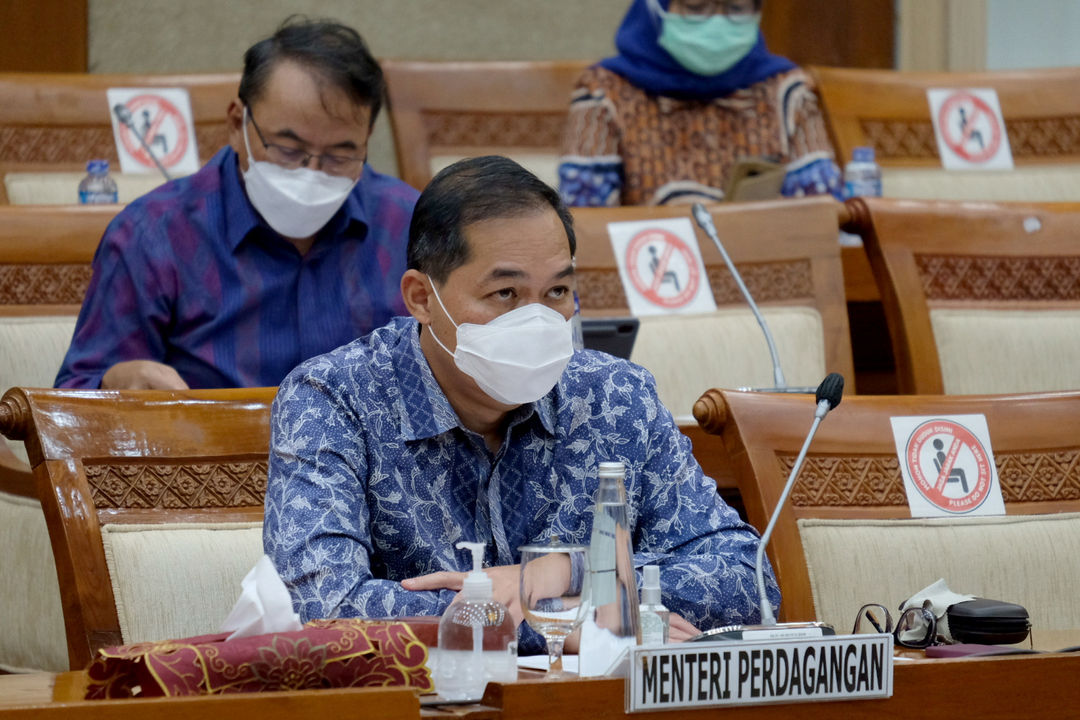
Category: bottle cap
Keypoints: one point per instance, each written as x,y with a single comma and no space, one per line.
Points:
612,469
650,586
97,167
863,154
477,584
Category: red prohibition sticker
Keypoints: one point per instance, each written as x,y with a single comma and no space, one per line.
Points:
948,466
663,268
969,127
163,127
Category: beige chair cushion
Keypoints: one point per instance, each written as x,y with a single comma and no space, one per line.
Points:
31,351
1033,560
32,636
179,579
62,188
688,354
1026,183
543,165
1007,351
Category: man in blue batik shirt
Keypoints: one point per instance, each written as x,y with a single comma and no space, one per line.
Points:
475,420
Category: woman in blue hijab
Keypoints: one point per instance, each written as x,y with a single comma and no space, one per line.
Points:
692,91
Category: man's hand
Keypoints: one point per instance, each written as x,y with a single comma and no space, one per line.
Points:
680,630
142,375
504,585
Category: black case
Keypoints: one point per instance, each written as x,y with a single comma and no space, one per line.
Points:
988,622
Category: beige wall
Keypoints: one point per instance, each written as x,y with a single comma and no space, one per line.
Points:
170,36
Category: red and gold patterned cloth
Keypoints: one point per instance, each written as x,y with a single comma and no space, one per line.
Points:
325,654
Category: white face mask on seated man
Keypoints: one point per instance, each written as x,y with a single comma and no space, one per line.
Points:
295,202
517,357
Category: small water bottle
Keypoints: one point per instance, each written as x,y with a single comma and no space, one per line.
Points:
477,638
98,187
655,618
862,176
612,625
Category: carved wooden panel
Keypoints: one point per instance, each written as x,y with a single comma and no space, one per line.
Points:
1028,137
900,138
478,129
22,144
178,486
869,481
952,277
60,284
1044,137
767,282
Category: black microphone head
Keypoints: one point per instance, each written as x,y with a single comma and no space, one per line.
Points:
122,113
831,389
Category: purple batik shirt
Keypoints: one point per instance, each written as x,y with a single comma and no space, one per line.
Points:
191,276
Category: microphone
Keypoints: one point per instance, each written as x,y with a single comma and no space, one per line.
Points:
828,396
705,222
124,116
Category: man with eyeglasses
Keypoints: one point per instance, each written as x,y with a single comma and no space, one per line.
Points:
284,246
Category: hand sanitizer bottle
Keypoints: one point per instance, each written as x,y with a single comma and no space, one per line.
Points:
477,638
654,616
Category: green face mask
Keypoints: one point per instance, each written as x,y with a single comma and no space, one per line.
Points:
708,46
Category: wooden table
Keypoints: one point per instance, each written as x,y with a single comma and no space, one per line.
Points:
1010,687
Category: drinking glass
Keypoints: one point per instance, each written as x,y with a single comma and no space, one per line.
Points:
552,600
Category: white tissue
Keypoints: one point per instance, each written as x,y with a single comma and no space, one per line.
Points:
264,605
937,598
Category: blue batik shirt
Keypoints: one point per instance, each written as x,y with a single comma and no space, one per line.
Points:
374,479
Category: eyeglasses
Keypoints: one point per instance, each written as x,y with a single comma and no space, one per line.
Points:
916,628
292,157
735,10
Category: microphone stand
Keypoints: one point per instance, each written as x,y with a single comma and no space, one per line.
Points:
705,222
828,396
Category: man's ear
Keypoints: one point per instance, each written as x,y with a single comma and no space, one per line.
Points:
234,122
417,295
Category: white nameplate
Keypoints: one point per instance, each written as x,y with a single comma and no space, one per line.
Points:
712,674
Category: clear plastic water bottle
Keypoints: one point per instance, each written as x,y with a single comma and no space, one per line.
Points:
613,624
862,176
98,187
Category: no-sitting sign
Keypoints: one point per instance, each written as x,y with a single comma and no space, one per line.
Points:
970,129
162,117
660,266
948,465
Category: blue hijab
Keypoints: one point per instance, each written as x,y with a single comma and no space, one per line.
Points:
650,67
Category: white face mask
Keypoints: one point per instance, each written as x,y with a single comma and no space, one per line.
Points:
517,357
297,202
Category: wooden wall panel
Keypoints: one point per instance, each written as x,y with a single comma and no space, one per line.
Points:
43,35
843,33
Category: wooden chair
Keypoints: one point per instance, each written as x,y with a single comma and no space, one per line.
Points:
846,537
441,112
888,110
978,298
154,504
786,251
56,122
45,256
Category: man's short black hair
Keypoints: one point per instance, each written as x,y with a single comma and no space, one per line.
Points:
334,53
467,192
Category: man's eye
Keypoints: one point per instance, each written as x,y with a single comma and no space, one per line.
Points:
559,293
290,153
504,294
